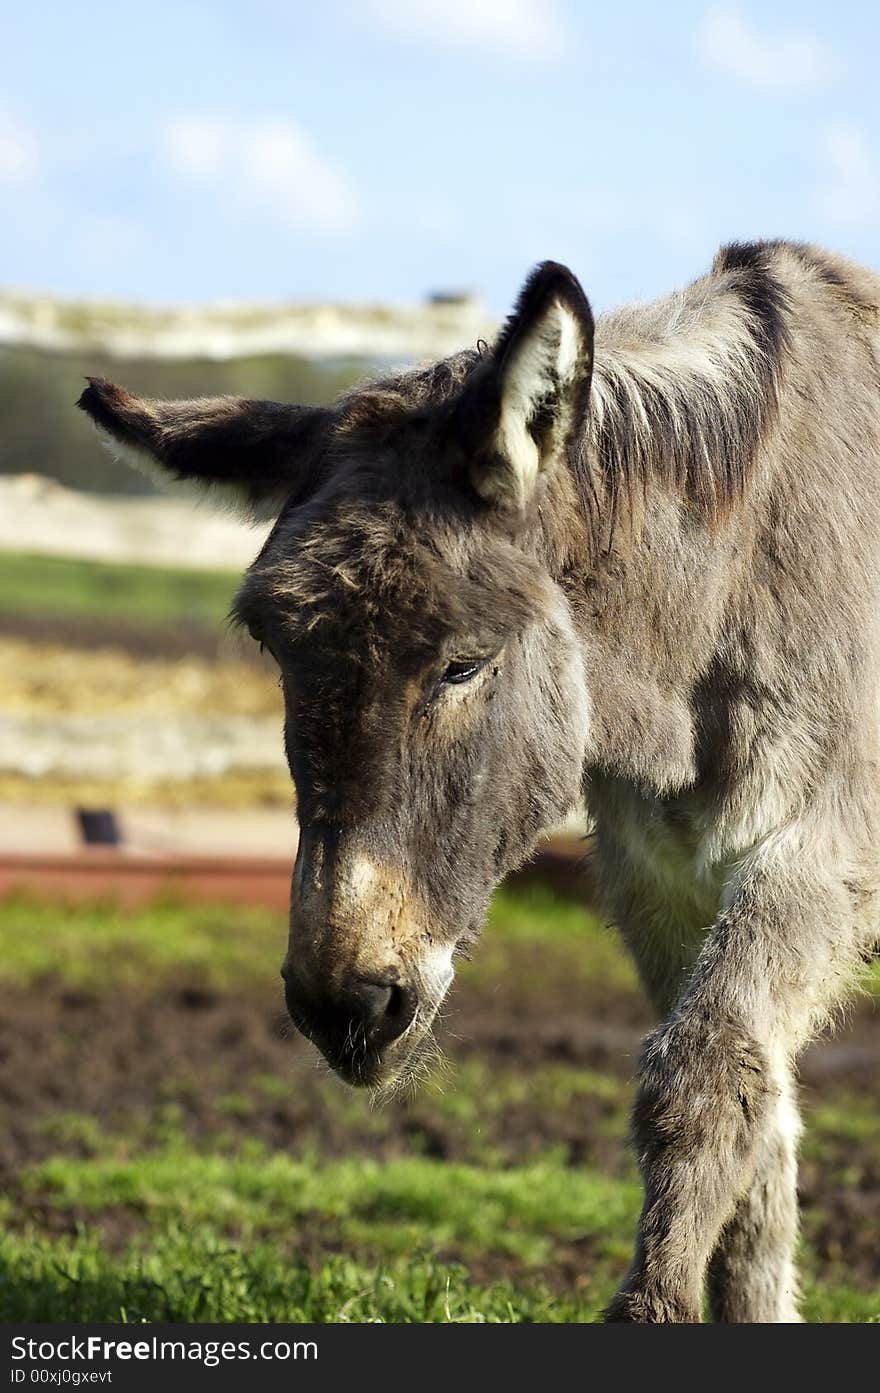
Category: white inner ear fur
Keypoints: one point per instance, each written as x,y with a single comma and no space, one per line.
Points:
545,360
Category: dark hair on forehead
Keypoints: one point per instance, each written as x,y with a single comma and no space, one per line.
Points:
384,405
373,576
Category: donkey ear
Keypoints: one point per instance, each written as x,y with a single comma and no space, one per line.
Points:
538,387
259,452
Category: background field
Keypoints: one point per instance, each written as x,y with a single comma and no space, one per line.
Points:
168,1154
124,684
145,598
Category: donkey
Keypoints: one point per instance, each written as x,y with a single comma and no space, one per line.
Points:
634,567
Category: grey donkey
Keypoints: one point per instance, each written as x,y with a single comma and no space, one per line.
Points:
635,567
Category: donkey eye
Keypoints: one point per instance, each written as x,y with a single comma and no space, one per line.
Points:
464,670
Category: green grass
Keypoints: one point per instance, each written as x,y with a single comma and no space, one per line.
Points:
198,1276
276,1238
150,596
272,1237
104,944
533,919
391,1208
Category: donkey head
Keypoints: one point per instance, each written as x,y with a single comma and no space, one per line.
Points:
413,592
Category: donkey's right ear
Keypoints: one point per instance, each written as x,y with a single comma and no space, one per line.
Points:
526,411
259,452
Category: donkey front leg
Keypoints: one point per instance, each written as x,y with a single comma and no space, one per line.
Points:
752,1274
712,1078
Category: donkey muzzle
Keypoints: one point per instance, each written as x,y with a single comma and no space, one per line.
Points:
354,1023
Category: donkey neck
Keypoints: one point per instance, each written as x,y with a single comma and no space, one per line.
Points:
684,401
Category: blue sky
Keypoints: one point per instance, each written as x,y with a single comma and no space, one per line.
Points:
377,149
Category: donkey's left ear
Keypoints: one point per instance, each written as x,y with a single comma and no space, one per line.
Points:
535,396
255,453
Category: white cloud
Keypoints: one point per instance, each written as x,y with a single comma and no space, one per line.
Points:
780,62
851,193
271,164
19,155
530,30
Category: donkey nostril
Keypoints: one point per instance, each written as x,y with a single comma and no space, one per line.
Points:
371,1000
395,1004
386,1009
399,1012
